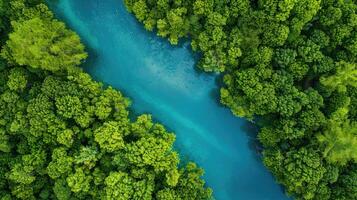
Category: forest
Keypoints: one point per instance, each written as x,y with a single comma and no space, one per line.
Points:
289,65
65,136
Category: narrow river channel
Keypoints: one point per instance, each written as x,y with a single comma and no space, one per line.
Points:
161,80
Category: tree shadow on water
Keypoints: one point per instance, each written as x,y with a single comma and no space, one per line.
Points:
91,61
251,129
215,93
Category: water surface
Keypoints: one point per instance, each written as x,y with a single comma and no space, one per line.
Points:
161,80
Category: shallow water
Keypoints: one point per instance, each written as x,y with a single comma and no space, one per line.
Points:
161,80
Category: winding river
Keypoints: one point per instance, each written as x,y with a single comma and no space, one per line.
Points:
162,80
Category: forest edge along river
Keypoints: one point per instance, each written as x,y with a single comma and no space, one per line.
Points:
161,80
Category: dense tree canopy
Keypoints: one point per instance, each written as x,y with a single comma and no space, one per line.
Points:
43,43
60,148
39,41
64,136
292,64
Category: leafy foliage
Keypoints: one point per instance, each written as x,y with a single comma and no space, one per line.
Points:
42,42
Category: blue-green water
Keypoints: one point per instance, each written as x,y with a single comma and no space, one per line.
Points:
161,80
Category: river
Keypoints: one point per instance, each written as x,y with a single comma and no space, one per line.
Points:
162,80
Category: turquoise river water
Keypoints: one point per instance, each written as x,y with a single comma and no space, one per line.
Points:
162,80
